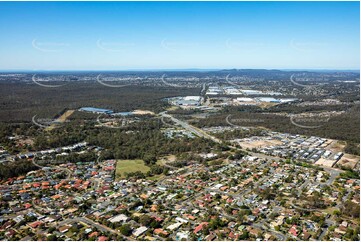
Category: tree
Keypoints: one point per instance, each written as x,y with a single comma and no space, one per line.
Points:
244,236
155,224
215,223
337,213
52,237
150,159
51,229
125,229
351,209
13,169
145,220
316,200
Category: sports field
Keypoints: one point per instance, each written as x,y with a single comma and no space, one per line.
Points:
128,166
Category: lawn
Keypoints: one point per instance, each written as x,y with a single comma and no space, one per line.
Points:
124,166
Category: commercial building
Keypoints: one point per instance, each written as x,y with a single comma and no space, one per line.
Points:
96,110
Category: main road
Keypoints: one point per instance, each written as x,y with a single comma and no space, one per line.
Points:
189,127
203,134
333,172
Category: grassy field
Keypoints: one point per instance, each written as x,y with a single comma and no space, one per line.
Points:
124,166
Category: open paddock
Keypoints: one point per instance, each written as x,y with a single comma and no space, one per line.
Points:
127,166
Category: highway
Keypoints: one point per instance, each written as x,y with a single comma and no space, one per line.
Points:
333,171
189,127
203,134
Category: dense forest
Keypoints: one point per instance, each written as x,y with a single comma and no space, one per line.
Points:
21,101
16,169
145,139
132,142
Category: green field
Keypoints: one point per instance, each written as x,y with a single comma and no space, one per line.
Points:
124,166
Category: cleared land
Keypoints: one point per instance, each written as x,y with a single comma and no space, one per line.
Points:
349,161
337,146
61,119
143,112
165,159
127,166
65,116
325,162
259,143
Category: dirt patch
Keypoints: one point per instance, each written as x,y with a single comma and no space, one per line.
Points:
61,119
65,116
325,162
142,112
266,105
337,146
349,161
166,159
259,143
327,143
22,142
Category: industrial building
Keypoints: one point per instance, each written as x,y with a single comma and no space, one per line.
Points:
96,110
187,101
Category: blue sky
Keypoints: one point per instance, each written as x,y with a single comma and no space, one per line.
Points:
179,35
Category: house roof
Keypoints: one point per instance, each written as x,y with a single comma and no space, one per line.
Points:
160,231
35,224
93,234
200,227
102,238
293,230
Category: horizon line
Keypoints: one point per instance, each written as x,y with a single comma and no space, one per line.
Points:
180,69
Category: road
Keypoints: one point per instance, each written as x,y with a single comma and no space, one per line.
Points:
55,168
328,223
262,226
305,184
90,222
95,183
333,174
96,225
190,128
203,89
333,171
41,209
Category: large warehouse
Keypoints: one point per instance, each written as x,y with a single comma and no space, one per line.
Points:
96,110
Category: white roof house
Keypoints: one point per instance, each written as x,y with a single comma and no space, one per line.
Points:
174,226
139,231
118,218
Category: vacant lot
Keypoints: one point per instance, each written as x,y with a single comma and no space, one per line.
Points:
325,162
65,116
349,161
61,119
165,159
259,143
128,166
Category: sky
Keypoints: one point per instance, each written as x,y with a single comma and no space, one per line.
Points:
179,35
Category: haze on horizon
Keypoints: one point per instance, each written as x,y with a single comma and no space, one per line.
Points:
179,35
